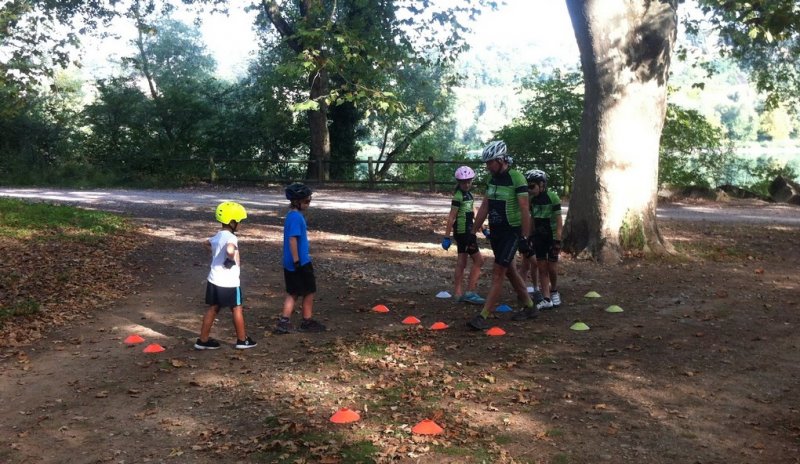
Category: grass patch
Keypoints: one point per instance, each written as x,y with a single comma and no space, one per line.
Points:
553,433
560,458
22,220
372,350
359,452
20,308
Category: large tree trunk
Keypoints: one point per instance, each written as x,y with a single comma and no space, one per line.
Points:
625,49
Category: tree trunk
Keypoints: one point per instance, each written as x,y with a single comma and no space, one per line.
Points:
320,149
319,162
625,52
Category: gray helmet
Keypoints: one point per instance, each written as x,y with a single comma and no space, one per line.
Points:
536,175
495,150
297,191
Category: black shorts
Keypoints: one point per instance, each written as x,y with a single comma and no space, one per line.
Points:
300,282
224,297
466,243
505,243
543,248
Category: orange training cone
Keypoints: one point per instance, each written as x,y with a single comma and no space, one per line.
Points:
154,348
427,427
344,415
380,309
411,320
439,326
495,332
134,339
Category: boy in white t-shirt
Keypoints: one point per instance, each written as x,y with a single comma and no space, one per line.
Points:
223,287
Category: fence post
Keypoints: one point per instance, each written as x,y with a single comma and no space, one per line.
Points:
431,176
371,173
212,170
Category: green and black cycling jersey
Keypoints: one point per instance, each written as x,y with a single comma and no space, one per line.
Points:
503,192
466,214
545,209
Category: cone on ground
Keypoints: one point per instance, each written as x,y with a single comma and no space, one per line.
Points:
154,348
592,294
133,340
614,309
344,416
380,308
411,320
579,326
427,427
443,294
503,309
495,332
439,326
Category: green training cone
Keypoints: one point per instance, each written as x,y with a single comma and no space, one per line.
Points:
613,309
579,326
592,294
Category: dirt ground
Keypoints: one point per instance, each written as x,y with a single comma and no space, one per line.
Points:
703,365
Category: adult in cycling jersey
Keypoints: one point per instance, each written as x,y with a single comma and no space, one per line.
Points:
506,206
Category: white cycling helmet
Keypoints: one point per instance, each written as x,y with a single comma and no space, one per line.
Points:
536,175
495,150
465,173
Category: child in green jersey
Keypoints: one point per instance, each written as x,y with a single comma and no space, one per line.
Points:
459,221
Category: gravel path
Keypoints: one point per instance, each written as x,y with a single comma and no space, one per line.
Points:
142,203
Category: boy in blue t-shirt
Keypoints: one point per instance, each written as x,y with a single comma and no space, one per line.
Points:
298,272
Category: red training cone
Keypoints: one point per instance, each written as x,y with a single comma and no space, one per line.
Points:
427,427
411,320
495,332
439,326
344,415
380,309
134,339
154,348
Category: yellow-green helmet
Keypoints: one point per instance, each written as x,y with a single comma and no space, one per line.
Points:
230,211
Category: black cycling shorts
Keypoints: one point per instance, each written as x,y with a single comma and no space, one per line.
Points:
300,282
466,243
505,243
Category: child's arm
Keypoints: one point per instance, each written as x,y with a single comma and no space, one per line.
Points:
451,218
230,250
294,251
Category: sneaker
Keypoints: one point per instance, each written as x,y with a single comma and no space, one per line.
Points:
555,297
472,297
546,303
245,344
525,314
478,323
310,325
537,297
209,344
284,326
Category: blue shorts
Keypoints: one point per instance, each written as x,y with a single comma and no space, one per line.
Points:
224,297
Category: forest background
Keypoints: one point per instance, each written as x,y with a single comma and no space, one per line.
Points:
160,111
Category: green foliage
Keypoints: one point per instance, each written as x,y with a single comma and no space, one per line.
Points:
691,151
765,38
546,135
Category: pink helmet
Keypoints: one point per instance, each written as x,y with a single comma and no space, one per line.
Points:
465,173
